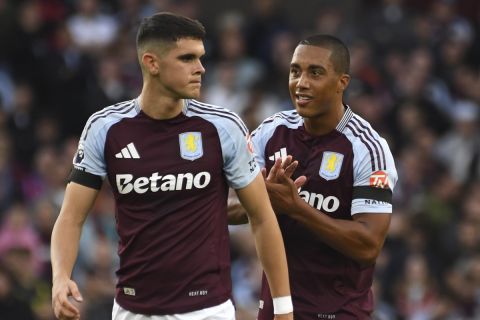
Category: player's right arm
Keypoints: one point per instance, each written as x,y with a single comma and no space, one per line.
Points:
64,248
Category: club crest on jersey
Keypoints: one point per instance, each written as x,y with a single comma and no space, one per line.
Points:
331,165
191,147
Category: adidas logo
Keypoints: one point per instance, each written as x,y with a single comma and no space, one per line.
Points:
129,152
279,154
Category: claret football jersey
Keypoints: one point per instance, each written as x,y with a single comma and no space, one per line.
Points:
170,180
349,170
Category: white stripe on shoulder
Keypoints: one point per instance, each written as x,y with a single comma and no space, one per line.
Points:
120,109
290,118
200,108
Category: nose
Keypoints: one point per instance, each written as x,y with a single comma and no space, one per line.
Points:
302,81
200,69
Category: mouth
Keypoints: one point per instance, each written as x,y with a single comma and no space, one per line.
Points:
302,99
196,83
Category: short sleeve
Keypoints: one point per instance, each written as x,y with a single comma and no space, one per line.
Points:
374,179
89,167
239,165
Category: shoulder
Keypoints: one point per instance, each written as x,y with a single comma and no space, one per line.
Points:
360,133
219,116
108,116
289,118
371,149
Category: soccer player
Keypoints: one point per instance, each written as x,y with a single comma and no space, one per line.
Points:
170,160
334,211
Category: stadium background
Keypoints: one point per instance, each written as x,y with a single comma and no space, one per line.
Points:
416,78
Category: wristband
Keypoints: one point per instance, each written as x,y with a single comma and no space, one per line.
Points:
282,305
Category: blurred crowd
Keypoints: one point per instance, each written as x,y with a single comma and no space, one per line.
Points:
415,69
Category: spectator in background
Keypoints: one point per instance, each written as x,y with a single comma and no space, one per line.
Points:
91,29
459,149
234,72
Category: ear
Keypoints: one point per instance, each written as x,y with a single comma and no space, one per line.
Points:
150,63
343,82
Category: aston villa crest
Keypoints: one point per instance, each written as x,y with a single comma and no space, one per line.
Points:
331,165
191,147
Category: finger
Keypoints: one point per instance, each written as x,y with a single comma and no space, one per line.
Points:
68,308
75,292
283,179
300,181
273,171
65,310
67,316
291,168
62,303
287,161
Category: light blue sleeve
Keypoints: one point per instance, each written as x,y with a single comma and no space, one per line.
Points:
364,176
238,160
90,153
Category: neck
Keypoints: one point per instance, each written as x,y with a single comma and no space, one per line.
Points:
159,107
325,123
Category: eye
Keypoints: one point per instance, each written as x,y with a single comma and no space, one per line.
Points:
294,72
316,72
187,58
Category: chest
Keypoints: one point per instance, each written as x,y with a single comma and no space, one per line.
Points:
326,161
146,155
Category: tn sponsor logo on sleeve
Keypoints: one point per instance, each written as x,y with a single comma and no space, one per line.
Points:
379,179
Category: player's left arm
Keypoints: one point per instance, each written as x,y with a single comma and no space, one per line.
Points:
360,239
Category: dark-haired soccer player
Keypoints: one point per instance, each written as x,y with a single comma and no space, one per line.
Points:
170,160
335,224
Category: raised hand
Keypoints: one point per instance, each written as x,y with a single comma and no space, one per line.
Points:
283,192
288,166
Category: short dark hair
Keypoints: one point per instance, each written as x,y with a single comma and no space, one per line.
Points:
340,56
169,27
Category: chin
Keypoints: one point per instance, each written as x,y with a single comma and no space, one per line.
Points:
192,95
305,113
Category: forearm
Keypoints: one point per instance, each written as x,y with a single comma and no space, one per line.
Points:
236,212
64,247
268,238
271,252
354,239
67,229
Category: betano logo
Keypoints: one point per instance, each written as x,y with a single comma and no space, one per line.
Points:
319,201
169,182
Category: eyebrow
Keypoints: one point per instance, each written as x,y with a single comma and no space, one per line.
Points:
310,67
314,66
187,56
